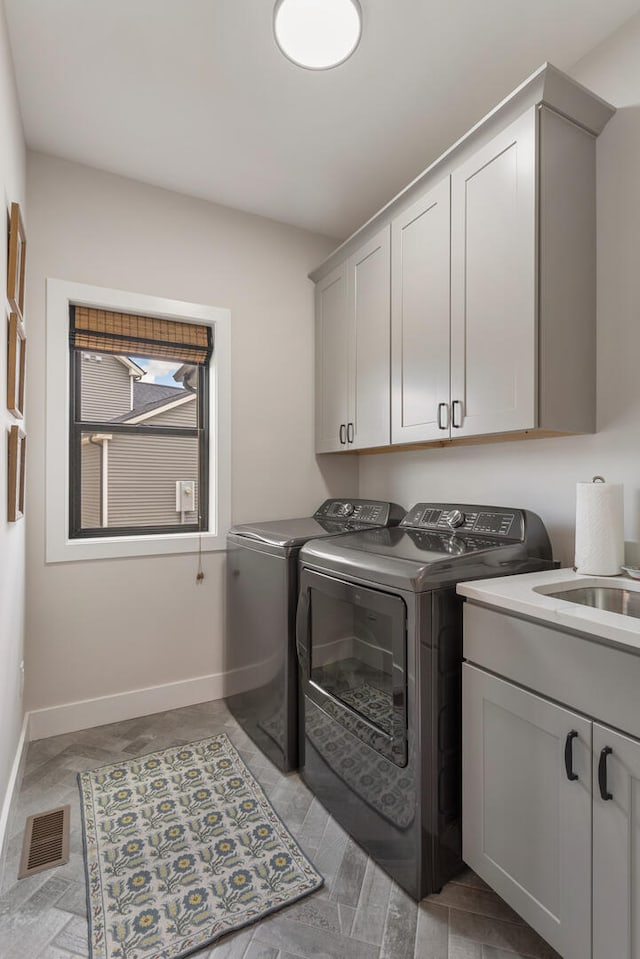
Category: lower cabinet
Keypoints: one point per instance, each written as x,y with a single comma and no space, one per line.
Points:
551,816
616,845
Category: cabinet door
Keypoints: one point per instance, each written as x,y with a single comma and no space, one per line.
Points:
526,826
493,285
420,252
616,846
369,347
331,309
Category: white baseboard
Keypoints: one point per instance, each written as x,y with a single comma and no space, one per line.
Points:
86,713
15,778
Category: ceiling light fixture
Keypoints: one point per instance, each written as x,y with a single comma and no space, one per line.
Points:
317,34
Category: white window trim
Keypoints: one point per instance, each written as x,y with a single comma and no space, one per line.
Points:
59,547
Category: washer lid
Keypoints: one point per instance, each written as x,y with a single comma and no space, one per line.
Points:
334,516
292,533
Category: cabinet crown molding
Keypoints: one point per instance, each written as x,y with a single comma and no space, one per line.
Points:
547,87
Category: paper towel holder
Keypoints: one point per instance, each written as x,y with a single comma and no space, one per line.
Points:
599,521
594,479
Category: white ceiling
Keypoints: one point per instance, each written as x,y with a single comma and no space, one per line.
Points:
193,95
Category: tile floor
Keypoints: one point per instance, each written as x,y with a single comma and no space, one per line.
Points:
359,914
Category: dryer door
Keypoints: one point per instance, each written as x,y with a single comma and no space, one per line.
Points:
352,651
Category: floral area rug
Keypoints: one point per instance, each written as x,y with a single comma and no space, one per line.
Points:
181,847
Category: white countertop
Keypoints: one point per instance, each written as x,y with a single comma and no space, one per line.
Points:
519,594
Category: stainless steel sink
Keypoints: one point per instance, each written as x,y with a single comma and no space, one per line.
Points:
614,599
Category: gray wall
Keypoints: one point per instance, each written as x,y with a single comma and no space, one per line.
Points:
93,227
12,535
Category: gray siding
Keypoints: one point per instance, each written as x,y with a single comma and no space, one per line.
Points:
143,471
90,503
106,387
184,415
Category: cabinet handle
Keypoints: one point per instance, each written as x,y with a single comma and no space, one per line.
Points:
456,425
441,407
602,773
349,432
568,755
343,433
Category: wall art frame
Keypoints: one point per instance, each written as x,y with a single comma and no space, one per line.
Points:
17,261
16,477
16,365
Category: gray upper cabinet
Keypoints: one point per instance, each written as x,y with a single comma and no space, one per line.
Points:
420,318
352,350
523,298
332,361
493,285
369,306
464,297
492,279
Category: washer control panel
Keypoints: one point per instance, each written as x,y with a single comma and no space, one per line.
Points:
491,520
371,512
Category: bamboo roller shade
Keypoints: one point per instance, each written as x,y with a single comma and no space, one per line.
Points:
105,331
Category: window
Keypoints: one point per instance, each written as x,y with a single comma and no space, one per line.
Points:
138,433
137,456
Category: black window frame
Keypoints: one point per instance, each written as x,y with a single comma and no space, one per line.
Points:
78,426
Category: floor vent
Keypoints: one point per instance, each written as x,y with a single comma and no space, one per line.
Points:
46,841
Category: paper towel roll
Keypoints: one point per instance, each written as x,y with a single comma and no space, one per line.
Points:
599,528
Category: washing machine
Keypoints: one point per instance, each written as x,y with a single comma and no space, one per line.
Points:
379,635
262,590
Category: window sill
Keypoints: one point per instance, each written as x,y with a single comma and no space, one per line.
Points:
121,547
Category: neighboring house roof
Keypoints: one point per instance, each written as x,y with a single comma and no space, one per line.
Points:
146,393
152,398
